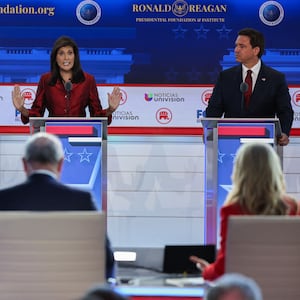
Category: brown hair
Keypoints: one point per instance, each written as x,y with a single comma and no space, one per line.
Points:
256,39
77,72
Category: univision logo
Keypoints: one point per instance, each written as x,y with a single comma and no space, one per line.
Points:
148,96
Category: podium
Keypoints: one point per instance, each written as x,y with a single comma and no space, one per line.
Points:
84,142
222,138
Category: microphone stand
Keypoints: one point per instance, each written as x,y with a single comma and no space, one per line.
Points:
243,89
68,88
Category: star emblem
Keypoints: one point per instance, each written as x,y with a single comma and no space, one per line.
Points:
201,32
194,75
220,156
223,32
85,156
67,155
171,75
179,32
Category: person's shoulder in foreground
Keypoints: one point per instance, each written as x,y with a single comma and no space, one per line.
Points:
234,286
42,191
103,292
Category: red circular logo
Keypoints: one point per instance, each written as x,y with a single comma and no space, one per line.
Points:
164,116
296,98
206,96
29,96
123,97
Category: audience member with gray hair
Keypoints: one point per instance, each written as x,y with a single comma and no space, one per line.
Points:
42,191
43,151
234,287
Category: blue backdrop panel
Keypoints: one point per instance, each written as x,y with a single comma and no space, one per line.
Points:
229,142
169,41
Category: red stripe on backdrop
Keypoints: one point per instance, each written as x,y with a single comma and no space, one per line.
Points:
14,130
154,131
132,130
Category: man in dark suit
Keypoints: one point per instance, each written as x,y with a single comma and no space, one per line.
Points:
42,191
267,90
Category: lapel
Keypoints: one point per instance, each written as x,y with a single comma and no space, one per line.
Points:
238,78
239,74
261,80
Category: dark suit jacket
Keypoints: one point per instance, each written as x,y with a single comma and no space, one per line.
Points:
41,192
53,98
270,97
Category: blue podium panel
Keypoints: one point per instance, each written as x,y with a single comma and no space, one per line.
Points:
230,138
84,144
223,137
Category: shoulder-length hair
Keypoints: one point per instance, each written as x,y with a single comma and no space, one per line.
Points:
258,181
77,72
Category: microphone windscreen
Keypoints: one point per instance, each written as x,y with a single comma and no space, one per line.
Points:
68,86
244,87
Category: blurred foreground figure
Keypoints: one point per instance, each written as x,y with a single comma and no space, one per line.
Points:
234,287
42,190
103,293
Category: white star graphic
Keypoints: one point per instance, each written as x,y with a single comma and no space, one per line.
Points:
67,155
220,157
84,155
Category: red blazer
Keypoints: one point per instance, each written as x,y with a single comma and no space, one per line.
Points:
55,100
216,269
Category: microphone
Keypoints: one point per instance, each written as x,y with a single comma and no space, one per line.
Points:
243,89
68,87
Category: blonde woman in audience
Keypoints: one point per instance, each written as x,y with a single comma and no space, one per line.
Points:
258,189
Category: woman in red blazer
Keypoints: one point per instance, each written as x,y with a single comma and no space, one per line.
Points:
258,189
67,90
